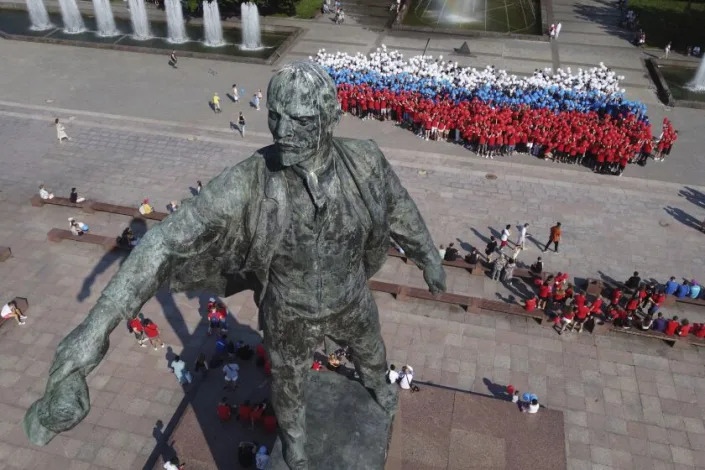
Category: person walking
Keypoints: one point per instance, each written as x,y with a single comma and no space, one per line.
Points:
558,29
236,94
173,59
241,124
521,241
152,331
216,103
498,265
179,367
60,131
666,50
255,101
554,237
504,237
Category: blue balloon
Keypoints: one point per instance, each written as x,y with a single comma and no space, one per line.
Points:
526,397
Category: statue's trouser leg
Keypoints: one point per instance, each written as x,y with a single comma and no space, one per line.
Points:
290,343
360,329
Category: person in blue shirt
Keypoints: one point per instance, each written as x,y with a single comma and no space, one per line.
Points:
671,286
683,290
660,323
694,289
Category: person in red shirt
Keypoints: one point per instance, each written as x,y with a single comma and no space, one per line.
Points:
566,320
245,411
613,314
700,330
544,293
582,314
633,304
656,300
152,331
316,365
579,299
685,327
671,326
257,412
269,423
135,326
223,410
596,308
616,297
530,304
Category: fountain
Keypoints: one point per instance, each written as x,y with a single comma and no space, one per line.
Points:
211,24
138,17
251,34
698,82
73,22
175,22
104,18
38,15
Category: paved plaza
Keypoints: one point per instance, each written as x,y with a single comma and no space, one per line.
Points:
141,129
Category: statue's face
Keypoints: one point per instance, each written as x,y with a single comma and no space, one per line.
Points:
298,116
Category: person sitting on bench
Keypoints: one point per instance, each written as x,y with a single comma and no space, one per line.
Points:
537,267
127,239
145,208
451,253
473,258
10,310
77,228
44,194
74,197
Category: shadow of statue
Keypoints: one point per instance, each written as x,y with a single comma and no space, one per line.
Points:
139,228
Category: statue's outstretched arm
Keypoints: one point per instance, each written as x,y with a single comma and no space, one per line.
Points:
409,230
186,233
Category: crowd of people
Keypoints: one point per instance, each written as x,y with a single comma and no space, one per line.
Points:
560,116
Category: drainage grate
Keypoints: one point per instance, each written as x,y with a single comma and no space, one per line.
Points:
490,176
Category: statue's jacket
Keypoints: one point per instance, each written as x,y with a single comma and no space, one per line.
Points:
222,241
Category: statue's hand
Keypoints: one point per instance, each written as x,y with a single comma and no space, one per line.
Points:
435,277
66,401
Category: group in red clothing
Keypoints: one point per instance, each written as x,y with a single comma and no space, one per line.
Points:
144,330
609,143
570,308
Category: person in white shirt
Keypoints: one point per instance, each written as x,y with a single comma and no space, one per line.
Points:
77,228
232,372
521,241
558,29
173,464
179,367
60,131
406,377
533,406
236,94
44,194
504,238
442,252
392,374
10,310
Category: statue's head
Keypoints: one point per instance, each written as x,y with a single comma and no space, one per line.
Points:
303,110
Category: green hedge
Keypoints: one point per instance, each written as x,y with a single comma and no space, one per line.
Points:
670,20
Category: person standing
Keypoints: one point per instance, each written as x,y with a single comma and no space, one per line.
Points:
255,101
241,124
521,241
497,267
236,94
60,131
504,237
216,103
558,29
152,331
666,50
554,237
135,326
490,249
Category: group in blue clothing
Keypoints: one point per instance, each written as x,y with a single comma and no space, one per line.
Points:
555,98
689,289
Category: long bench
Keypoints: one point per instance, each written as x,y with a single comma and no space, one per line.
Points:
671,340
61,201
95,206
57,235
476,269
402,292
21,303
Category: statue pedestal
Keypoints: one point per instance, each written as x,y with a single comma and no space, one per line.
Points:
346,428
